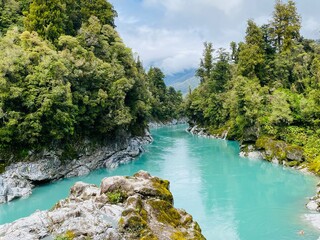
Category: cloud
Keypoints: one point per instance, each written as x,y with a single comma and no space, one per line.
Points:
195,5
171,50
170,33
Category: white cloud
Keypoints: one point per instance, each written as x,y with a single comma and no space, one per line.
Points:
170,33
195,5
171,50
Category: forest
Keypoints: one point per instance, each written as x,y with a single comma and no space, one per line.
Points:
66,75
265,90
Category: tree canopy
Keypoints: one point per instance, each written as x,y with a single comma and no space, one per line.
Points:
66,75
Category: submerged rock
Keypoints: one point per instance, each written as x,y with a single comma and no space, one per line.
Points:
138,207
19,178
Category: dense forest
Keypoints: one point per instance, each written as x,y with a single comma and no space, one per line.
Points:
266,90
66,75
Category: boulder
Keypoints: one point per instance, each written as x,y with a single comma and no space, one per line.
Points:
138,207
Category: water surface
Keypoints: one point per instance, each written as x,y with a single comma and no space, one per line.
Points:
231,197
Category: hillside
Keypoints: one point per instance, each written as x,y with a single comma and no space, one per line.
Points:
67,77
190,83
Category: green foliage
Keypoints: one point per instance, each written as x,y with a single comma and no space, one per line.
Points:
166,103
270,88
285,25
10,13
47,18
50,19
116,197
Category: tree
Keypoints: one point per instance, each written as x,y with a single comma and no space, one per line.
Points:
206,63
52,18
252,54
47,18
220,73
285,25
80,11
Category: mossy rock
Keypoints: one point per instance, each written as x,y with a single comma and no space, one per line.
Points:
116,197
273,148
2,167
165,213
161,187
294,153
69,235
178,236
293,164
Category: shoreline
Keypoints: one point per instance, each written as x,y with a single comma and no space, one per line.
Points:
313,204
19,179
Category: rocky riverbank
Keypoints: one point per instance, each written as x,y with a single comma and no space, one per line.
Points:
138,207
196,130
276,152
19,178
168,123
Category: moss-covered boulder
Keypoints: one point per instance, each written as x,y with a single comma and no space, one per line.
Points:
280,150
138,207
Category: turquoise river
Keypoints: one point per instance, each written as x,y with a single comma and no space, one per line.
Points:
230,197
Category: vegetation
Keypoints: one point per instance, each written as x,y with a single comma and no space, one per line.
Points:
69,235
66,75
268,87
116,197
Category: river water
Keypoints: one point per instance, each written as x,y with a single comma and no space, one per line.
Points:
231,197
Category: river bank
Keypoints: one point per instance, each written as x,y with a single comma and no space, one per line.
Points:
267,153
157,124
20,178
138,207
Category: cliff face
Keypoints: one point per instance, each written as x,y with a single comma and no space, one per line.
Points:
19,178
138,207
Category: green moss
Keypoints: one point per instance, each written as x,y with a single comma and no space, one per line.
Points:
116,197
165,212
135,224
178,236
293,163
188,220
162,189
69,235
274,148
2,167
121,222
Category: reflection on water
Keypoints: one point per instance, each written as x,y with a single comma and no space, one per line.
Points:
231,198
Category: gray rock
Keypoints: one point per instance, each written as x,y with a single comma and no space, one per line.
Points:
19,178
313,205
294,154
168,123
89,213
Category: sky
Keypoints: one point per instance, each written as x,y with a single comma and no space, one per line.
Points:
169,34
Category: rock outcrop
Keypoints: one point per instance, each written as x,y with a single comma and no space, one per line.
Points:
138,207
168,123
275,151
19,178
202,132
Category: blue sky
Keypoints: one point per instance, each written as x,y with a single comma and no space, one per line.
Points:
170,33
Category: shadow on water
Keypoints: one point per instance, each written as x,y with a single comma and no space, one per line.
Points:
231,197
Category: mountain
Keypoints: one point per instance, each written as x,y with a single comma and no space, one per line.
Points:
184,86
179,77
183,80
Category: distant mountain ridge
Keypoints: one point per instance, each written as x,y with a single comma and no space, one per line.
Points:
182,81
